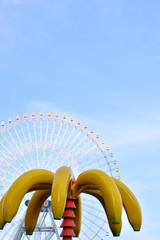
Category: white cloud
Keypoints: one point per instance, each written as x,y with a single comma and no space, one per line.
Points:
128,134
124,133
136,134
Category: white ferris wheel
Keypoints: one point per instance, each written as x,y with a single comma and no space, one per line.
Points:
48,142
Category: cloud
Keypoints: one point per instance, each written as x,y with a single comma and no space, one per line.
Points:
130,131
138,134
125,132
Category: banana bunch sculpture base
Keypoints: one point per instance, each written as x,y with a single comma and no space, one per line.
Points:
65,193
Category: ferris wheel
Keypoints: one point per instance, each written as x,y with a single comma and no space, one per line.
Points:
46,142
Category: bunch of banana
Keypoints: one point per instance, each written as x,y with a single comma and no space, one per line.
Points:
111,193
41,181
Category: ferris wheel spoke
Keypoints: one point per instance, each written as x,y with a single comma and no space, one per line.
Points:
87,152
101,228
64,134
85,232
80,142
77,136
60,152
11,155
6,172
85,160
41,130
55,141
29,132
35,135
90,163
52,131
21,146
28,149
91,229
63,147
53,128
93,222
45,141
6,180
93,215
94,208
8,144
71,152
61,162
80,151
16,147
11,165
67,140
54,144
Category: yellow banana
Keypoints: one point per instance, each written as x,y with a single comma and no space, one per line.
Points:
60,188
2,222
78,214
36,187
34,209
115,228
108,189
20,187
131,205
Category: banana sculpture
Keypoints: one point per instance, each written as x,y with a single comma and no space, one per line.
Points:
20,187
78,214
60,189
130,205
110,192
108,189
2,222
34,208
115,228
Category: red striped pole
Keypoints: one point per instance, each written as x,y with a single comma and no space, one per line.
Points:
68,216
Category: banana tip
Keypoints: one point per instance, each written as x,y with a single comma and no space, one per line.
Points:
2,226
29,233
7,221
137,229
116,233
76,233
57,218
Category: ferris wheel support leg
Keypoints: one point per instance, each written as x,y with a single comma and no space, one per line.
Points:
42,220
19,232
53,223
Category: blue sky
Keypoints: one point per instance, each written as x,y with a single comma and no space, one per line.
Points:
99,62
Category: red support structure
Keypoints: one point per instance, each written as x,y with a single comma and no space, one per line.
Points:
68,215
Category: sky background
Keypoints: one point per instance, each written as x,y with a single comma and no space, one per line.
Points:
98,61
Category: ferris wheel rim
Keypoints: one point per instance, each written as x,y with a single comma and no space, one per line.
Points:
19,122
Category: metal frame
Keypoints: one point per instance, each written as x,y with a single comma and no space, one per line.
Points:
40,228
